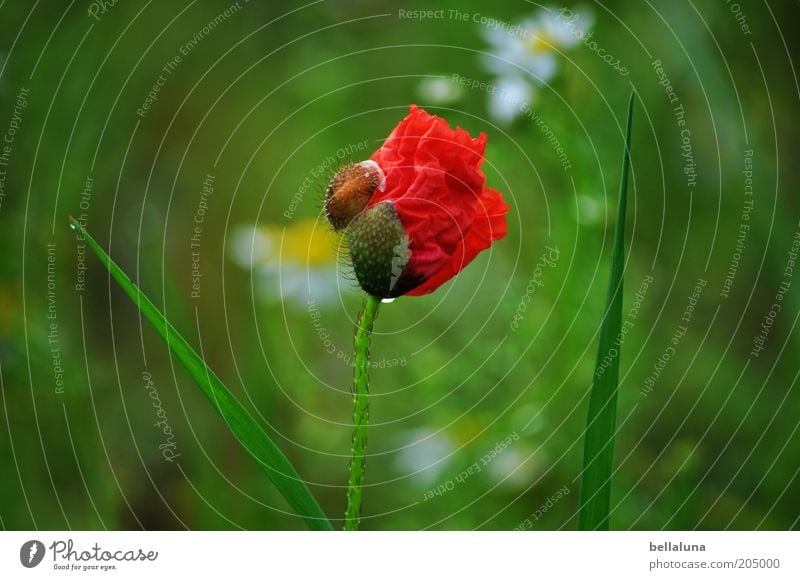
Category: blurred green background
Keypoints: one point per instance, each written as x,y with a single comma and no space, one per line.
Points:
477,422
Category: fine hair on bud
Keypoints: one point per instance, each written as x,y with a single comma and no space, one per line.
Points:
379,252
350,190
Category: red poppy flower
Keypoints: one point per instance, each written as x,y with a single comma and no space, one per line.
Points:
419,210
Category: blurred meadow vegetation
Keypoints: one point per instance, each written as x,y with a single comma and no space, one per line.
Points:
479,391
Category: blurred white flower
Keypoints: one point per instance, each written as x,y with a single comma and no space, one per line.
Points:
590,212
248,246
535,42
439,90
296,262
424,453
516,469
528,53
513,54
511,97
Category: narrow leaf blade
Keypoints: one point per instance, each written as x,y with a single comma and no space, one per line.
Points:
249,433
598,451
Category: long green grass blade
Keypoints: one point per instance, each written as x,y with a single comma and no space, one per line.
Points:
249,433
598,449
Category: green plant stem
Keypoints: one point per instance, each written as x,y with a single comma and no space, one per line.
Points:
355,483
598,450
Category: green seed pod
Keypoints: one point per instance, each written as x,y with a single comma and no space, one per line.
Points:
379,251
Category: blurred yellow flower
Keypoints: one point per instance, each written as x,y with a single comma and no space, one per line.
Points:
297,261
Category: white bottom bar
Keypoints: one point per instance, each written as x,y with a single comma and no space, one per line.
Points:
400,555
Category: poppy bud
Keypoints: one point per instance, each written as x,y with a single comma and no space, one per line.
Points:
350,190
379,252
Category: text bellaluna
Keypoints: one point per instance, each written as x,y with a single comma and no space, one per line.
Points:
679,547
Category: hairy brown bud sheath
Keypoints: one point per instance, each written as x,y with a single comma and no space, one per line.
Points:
350,190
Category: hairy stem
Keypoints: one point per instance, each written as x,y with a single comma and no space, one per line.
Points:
355,483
